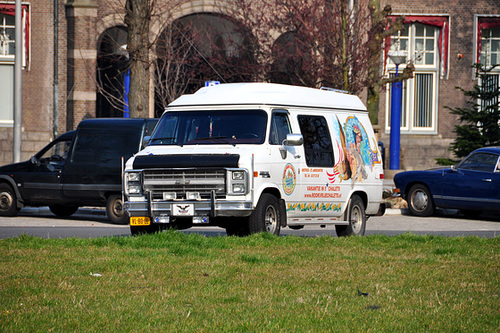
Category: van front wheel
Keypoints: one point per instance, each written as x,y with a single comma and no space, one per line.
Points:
114,210
356,217
266,216
8,201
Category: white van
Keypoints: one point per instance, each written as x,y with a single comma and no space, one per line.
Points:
252,157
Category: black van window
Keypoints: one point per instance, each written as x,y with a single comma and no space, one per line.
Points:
317,141
280,127
105,146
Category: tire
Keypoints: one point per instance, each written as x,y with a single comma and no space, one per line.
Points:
356,216
63,211
266,217
114,210
420,201
8,201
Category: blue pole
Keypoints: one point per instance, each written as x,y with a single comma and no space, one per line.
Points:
126,84
396,98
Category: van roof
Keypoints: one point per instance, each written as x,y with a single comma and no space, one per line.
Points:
269,94
107,123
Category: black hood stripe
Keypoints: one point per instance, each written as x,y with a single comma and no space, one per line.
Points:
186,161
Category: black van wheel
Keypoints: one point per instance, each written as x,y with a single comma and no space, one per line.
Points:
8,201
266,216
356,217
114,210
63,211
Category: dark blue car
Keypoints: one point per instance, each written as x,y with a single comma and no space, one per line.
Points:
472,186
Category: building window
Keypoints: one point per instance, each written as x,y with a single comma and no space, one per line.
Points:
7,33
487,45
425,42
488,41
7,36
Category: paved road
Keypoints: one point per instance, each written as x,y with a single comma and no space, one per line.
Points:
91,223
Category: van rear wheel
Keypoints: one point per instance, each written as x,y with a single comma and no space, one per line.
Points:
356,217
114,210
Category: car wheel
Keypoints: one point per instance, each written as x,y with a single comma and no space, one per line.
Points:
266,216
114,210
356,217
63,211
8,201
420,201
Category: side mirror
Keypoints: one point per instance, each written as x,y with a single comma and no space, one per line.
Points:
145,140
34,160
291,140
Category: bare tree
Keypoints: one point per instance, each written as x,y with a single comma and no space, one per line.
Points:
315,43
138,19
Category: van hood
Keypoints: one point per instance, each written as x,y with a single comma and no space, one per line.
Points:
193,156
15,167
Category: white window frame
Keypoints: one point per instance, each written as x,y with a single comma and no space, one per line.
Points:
409,86
476,27
6,57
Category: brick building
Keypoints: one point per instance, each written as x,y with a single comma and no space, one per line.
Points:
443,39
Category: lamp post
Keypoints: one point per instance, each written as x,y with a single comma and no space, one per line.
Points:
397,58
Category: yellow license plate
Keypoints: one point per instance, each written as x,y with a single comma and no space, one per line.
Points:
140,220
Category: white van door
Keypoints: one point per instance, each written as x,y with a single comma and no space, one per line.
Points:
285,163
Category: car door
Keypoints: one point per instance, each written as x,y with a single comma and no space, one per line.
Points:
42,182
469,185
494,196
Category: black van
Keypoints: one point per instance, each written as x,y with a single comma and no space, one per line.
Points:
79,168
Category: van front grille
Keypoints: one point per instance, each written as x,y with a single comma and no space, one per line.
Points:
181,181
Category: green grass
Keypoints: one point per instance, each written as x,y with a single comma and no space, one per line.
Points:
173,282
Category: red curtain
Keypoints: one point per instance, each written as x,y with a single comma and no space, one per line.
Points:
10,9
441,22
484,23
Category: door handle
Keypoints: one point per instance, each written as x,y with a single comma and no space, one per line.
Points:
488,180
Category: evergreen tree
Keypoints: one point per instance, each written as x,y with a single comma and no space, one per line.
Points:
480,119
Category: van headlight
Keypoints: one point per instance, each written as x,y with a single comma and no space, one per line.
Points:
237,182
133,183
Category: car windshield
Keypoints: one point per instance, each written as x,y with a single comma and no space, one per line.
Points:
211,127
479,162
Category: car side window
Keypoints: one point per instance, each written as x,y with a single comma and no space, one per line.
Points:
318,146
280,127
480,162
57,154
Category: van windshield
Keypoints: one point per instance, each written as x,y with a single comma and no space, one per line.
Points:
211,127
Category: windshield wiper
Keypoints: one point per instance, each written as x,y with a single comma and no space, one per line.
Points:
216,138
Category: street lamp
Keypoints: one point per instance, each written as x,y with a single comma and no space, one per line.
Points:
397,57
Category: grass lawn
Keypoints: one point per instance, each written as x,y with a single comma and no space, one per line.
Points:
173,282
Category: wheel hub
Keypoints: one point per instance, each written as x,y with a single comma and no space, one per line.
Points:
271,220
5,200
420,201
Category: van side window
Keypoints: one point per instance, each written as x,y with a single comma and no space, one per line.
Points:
317,141
280,127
